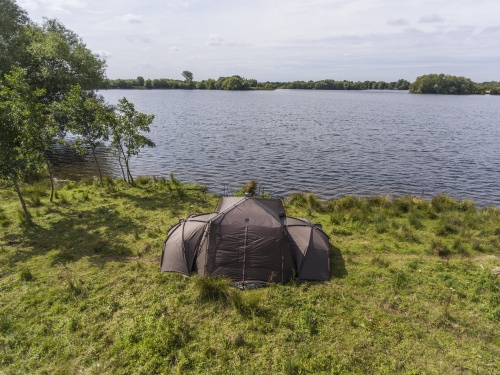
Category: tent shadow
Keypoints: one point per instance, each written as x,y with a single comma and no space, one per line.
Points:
337,263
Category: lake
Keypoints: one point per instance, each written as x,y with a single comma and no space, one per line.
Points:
331,143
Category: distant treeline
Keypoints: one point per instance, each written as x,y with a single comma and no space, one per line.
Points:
240,83
427,84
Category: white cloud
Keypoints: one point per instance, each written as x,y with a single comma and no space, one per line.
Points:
52,5
138,39
132,18
218,40
433,18
398,22
175,49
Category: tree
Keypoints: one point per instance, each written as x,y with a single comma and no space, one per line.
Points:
13,22
88,118
233,83
443,84
139,81
188,77
26,132
57,59
125,134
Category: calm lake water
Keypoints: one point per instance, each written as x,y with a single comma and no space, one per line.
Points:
332,143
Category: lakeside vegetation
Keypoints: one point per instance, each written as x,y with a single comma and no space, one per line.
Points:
415,288
239,83
427,84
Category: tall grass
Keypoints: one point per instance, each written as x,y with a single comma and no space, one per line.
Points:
414,290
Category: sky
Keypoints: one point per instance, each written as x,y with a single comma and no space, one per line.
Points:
285,40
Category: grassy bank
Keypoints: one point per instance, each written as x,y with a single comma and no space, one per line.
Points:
413,290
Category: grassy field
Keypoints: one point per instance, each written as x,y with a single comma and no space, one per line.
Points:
415,289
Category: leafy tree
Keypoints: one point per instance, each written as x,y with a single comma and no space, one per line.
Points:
58,59
125,134
26,132
443,84
402,84
148,84
88,118
210,84
13,22
234,83
188,77
139,81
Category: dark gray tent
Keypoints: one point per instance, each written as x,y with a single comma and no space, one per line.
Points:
248,240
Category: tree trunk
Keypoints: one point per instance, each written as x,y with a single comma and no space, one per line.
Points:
52,185
27,214
121,167
97,164
125,159
131,179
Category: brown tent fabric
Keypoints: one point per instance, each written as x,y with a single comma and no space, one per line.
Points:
248,240
311,248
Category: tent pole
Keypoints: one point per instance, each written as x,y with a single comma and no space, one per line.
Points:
245,252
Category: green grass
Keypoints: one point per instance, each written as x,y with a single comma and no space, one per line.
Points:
414,289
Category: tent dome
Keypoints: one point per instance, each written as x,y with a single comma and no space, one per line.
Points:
248,240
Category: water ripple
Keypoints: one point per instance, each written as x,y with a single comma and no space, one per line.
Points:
327,142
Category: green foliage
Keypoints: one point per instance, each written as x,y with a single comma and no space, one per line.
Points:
57,59
13,23
126,133
443,84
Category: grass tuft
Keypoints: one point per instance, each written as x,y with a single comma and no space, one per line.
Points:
212,288
26,275
442,203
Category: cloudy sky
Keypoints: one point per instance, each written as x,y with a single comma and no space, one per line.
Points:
286,40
